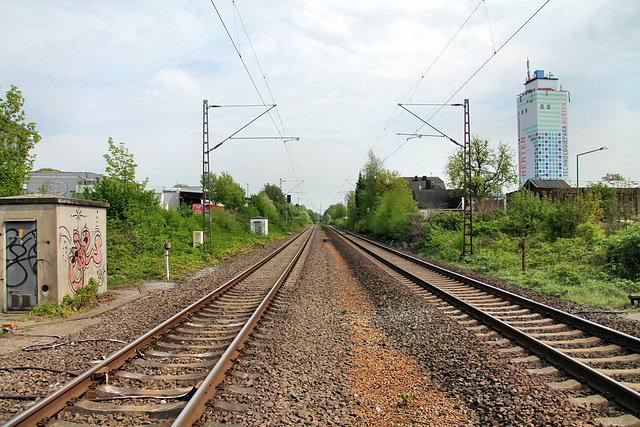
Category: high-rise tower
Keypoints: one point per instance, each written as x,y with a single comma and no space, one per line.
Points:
542,129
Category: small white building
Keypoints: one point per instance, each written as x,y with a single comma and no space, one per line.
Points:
259,225
173,197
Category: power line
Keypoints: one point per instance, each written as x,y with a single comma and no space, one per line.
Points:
279,129
415,87
289,153
474,74
235,46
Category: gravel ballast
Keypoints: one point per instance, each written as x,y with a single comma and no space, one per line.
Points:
346,345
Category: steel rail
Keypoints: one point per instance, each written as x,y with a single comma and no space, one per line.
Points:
196,406
627,397
41,412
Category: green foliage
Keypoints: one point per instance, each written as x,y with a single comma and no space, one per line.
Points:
120,164
135,245
50,310
623,253
567,252
224,190
451,221
491,168
439,243
406,398
526,212
618,180
84,299
337,212
128,200
274,193
381,204
391,218
563,218
592,233
17,139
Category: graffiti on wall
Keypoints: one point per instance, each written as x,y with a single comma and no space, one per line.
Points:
21,254
82,250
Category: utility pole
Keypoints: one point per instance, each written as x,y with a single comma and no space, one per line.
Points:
467,213
467,206
207,224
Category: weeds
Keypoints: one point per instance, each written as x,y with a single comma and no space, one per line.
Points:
406,399
84,299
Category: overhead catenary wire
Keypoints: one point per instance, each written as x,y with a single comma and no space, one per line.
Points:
445,103
416,85
489,25
281,129
235,46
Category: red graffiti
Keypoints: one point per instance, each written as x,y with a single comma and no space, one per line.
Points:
82,255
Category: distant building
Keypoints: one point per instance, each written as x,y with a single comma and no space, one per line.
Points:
549,187
542,129
175,196
431,194
627,199
57,183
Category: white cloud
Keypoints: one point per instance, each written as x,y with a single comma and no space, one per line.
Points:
138,71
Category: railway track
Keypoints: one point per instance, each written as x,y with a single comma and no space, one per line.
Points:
599,357
168,375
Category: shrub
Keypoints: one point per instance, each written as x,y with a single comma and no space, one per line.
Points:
391,217
623,253
84,299
562,220
526,212
446,220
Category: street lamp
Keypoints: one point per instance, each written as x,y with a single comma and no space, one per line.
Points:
577,169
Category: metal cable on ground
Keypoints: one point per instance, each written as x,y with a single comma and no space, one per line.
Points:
45,346
36,368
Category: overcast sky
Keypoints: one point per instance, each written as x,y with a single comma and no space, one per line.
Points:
138,71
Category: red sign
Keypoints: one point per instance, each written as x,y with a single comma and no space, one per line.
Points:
197,208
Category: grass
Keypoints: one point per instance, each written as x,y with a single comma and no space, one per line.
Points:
136,255
574,269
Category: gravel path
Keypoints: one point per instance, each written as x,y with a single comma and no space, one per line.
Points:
355,351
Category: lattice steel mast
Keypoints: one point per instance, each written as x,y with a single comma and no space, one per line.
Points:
467,212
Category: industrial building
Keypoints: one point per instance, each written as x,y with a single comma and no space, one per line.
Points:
58,183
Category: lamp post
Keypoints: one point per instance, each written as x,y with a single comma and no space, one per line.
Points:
578,170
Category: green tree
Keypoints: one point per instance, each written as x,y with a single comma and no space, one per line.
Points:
120,163
491,168
618,180
226,191
128,200
17,139
373,182
274,193
393,217
337,211
623,253
527,212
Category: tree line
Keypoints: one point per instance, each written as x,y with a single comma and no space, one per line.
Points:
136,223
